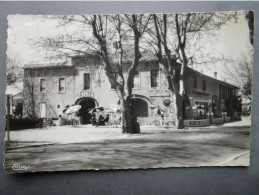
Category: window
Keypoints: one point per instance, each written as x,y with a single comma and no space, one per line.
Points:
43,85
115,74
195,82
61,85
136,81
204,85
58,106
86,81
154,74
222,92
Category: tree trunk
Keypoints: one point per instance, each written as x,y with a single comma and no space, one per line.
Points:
179,111
177,99
126,115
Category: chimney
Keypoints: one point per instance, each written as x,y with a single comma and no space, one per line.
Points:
215,75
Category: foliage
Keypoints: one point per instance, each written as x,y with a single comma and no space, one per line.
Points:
14,73
24,123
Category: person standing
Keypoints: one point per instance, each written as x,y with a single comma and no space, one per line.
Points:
135,125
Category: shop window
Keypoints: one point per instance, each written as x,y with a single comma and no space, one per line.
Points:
154,74
86,81
61,85
136,81
200,110
43,85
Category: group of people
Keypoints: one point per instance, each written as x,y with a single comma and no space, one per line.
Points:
101,120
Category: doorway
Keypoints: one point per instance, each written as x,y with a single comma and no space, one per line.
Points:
86,104
139,107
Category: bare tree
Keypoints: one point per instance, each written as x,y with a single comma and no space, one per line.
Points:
104,30
241,73
137,24
29,86
14,72
185,28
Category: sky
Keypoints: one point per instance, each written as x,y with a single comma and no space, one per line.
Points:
232,40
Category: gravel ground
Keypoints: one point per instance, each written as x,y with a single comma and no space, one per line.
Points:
85,147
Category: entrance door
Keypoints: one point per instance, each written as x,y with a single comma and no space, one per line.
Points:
139,108
86,104
42,110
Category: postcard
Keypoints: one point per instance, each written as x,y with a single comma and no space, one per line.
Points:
128,91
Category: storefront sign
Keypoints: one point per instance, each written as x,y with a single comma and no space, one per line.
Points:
158,92
85,94
167,102
196,123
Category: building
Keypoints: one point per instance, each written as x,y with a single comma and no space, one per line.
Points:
48,89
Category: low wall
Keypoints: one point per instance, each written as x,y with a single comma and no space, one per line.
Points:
227,119
218,120
196,123
155,121
149,120
187,123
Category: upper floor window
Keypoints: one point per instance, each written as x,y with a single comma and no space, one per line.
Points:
136,81
204,85
43,85
195,82
154,74
86,81
61,85
115,74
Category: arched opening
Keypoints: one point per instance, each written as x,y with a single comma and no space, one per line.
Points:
86,104
139,107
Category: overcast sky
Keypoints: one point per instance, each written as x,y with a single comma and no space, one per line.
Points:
232,39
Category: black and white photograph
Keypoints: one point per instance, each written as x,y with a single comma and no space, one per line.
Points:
128,91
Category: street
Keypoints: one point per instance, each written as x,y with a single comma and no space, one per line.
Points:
107,148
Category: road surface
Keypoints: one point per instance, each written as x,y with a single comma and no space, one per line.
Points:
211,146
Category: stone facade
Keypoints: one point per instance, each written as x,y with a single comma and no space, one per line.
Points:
49,89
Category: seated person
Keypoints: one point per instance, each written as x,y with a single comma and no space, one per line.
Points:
101,120
106,120
93,120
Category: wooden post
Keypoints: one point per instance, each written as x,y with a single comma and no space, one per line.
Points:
7,118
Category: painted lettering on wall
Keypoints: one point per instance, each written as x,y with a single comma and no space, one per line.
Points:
195,123
85,94
158,92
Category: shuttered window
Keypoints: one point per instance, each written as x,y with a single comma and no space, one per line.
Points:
86,81
43,85
154,74
204,85
195,82
61,85
136,81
